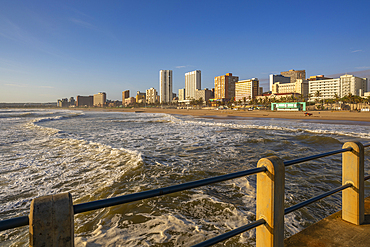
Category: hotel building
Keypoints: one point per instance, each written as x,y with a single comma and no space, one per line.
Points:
225,86
287,77
85,101
299,86
151,96
100,99
165,86
247,89
181,94
343,86
192,83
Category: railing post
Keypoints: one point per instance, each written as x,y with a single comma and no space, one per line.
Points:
52,221
270,202
353,172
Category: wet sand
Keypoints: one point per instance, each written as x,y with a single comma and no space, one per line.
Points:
316,115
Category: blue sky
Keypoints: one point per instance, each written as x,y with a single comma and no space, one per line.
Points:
58,49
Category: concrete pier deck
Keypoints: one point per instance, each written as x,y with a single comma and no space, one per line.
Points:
333,231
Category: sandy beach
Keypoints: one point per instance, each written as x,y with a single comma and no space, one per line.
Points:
316,115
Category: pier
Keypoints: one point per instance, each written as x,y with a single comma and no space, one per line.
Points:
334,232
51,218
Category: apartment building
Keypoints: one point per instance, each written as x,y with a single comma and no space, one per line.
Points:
247,89
181,94
165,86
225,86
192,83
125,95
205,94
151,96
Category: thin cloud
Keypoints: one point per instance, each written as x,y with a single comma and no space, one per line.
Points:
82,23
356,51
363,67
46,87
15,85
183,66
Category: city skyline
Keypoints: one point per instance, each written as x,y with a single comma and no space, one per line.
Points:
54,50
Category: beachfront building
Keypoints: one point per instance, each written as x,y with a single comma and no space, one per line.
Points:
327,88
289,76
125,95
354,85
204,94
246,90
299,86
62,103
340,87
84,101
100,99
277,78
129,101
140,97
181,94
151,96
192,83
165,86
225,86
294,74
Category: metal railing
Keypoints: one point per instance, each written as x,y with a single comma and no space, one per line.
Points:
265,168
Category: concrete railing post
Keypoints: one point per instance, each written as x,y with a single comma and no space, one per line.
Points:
270,202
353,208
52,221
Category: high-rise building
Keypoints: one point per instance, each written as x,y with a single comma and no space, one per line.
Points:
225,86
181,94
287,77
247,89
354,85
294,74
125,95
277,78
100,99
165,86
151,96
84,101
192,83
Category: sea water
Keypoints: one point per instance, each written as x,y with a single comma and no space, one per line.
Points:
98,155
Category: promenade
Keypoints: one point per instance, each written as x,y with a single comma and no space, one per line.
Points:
333,231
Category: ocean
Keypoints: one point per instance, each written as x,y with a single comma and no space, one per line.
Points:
98,155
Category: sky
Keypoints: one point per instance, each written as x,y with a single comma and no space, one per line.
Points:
59,49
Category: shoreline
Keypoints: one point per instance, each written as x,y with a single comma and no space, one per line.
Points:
258,114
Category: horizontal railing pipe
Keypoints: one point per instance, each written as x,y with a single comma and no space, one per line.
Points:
366,145
13,223
88,206
317,156
230,234
315,199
